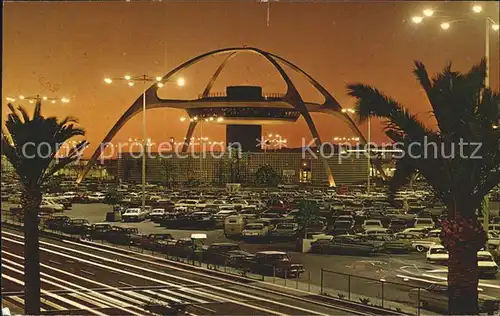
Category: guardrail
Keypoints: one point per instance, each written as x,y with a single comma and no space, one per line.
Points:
369,291
350,294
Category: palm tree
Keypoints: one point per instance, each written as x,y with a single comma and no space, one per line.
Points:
459,159
267,176
32,146
307,214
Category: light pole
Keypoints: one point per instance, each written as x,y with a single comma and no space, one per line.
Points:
490,25
368,140
211,118
36,98
131,80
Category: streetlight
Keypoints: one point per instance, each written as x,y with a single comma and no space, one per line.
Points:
37,98
337,138
131,80
490,24
445,25
277,141
417,19
428,12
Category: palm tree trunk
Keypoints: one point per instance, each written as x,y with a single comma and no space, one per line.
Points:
31,201
462,281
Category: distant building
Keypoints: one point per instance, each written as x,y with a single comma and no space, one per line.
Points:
7,167
290,165
108,169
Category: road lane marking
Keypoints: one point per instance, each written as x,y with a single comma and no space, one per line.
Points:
87,300
56,262
87,272
126,284
170,298
446,279
262,309
20,301
423,280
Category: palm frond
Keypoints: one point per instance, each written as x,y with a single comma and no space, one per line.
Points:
57,164
405,169
35,143
423,77
24,114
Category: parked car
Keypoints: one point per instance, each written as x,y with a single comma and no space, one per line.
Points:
76,227
424,222
424,242
437,254
397,225
51,203
59,202
276,263
342,228
200,220
191,204
391,243
182,247
377,231
344,244
153,242
399,215
345,218
435,297
486,264
274,218
371,223
135,214
56,222
124,235
156,215
81,198
99,231
220,216
234,225
225,254
256,230
290,216
96,197
250,213
285,231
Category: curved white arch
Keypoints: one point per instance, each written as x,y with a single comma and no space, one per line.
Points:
292,96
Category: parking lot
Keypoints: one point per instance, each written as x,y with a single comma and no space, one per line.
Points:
337,275
389,266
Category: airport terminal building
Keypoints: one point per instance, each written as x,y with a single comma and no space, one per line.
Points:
291,166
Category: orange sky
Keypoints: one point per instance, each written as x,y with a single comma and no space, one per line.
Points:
67,48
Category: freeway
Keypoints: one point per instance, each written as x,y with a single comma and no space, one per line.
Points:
97,281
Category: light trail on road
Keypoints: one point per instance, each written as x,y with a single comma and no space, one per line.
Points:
196,291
